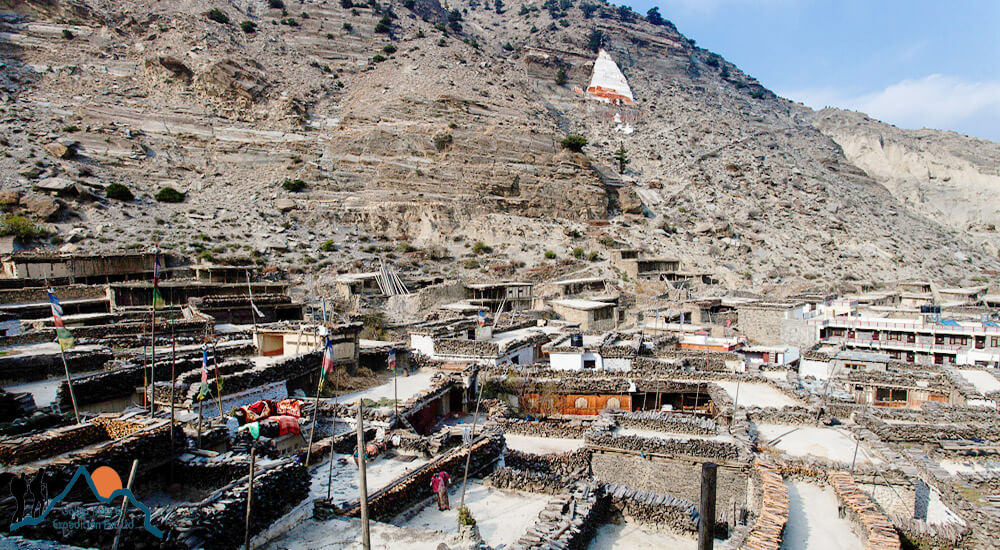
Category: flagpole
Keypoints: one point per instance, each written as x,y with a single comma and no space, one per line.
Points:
253,313
152,334
312,429
173,375
333,435
218,381
69,382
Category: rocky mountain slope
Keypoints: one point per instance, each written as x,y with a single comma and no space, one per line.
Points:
418,131
950,178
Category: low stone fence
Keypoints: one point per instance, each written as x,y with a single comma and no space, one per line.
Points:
668,422
218,521
766,532
415,486
877,530
515,478
654,508
795,416
39,366
569,429
573,464
705,448
568,521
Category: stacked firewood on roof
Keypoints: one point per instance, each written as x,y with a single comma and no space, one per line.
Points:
878,530
766,532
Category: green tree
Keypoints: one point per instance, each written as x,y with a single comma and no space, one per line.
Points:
621,155
595,39
219,16
169,194
561,77
654,17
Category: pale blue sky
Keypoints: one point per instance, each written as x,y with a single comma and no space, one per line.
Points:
916,63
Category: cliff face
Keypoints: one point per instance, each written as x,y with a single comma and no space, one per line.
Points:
945,176
409,123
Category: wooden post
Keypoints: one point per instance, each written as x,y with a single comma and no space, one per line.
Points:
152,361
121,515
312,429
857,443
199,422
706,524
218,377
472,437
173,375
253,463
362,480
69,383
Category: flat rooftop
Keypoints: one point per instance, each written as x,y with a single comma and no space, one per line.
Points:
580,304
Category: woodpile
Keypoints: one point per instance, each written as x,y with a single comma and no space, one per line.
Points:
705,448
521,480
24,449
767,530
575,463
878,530
669,422
16,405
572,429
656,508
568,521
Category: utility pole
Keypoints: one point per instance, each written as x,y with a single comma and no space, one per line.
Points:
69,383
173,375
362,480
706,523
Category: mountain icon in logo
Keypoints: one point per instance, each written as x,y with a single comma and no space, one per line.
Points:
111,499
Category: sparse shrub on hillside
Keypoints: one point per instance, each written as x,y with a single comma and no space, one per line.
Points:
219,16
593,257
276,4
498,6
169,194
68,34
389,49
561,77
588,10
465,517
563,23
443,141
22,228
508,47
550,255
378,58
523,11
574,143
328,246
481,248
346,4
383,25
118,192
713,60
347,27
442,43
409,4
595,39
470,263
290,21
293,186
579,253
248,27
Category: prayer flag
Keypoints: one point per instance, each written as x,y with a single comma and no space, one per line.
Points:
158,302
327,366
63,335
203,390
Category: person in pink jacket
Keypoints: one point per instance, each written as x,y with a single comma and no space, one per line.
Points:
439,483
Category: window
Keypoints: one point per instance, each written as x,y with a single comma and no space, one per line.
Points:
994,341
589,364
890,395
938,339
614,403
938,359
854,366
580,403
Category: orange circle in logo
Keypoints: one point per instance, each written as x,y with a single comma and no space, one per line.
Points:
106,481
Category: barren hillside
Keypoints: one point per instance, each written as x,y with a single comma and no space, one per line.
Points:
418,132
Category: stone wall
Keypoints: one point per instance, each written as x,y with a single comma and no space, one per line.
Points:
415,486
680,478
762,325
37,367
572,464
668,422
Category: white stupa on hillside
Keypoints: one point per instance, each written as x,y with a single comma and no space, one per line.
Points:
608,83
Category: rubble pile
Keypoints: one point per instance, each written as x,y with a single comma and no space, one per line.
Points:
877,530
767,530
668,422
